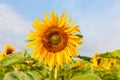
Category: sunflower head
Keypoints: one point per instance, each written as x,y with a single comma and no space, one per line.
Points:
54,40
97,61
112,63
9,49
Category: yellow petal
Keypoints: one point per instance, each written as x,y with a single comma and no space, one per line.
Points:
46,20
52,60
74,37
43,54
73,49
52,19
56,20
59,58
37,52
63,23
72,30
38,25
33,43
76,43
68,50
62,20
45,17
35,35
1,56
47,58
66,57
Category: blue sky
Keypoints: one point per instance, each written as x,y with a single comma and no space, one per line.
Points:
99,21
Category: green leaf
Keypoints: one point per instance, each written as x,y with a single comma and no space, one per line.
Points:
112,76
20,75
29,40
79,35
113,54
1,75
86,77
85,58
34,75
12,59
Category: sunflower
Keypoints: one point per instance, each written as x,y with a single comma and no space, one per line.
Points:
54,40
111,63
97,61
9,49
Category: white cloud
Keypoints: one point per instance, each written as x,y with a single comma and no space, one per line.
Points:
13,28
11,20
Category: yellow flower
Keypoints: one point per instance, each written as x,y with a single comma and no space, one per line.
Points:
1,56
111,63
7,50
97,61
54,41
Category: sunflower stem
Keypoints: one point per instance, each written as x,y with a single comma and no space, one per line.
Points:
51,75
56,72
118,71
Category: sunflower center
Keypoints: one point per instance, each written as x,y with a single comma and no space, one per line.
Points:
55,39
98,61
9,51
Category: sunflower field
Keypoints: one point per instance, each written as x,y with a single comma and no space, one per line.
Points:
52,54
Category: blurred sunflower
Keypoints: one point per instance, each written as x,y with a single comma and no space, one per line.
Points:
97,61
111,63
9,49
54,41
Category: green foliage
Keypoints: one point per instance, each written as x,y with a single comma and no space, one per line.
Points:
85,58
85,77
20,75
20,66
113,54
110,77
14,58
